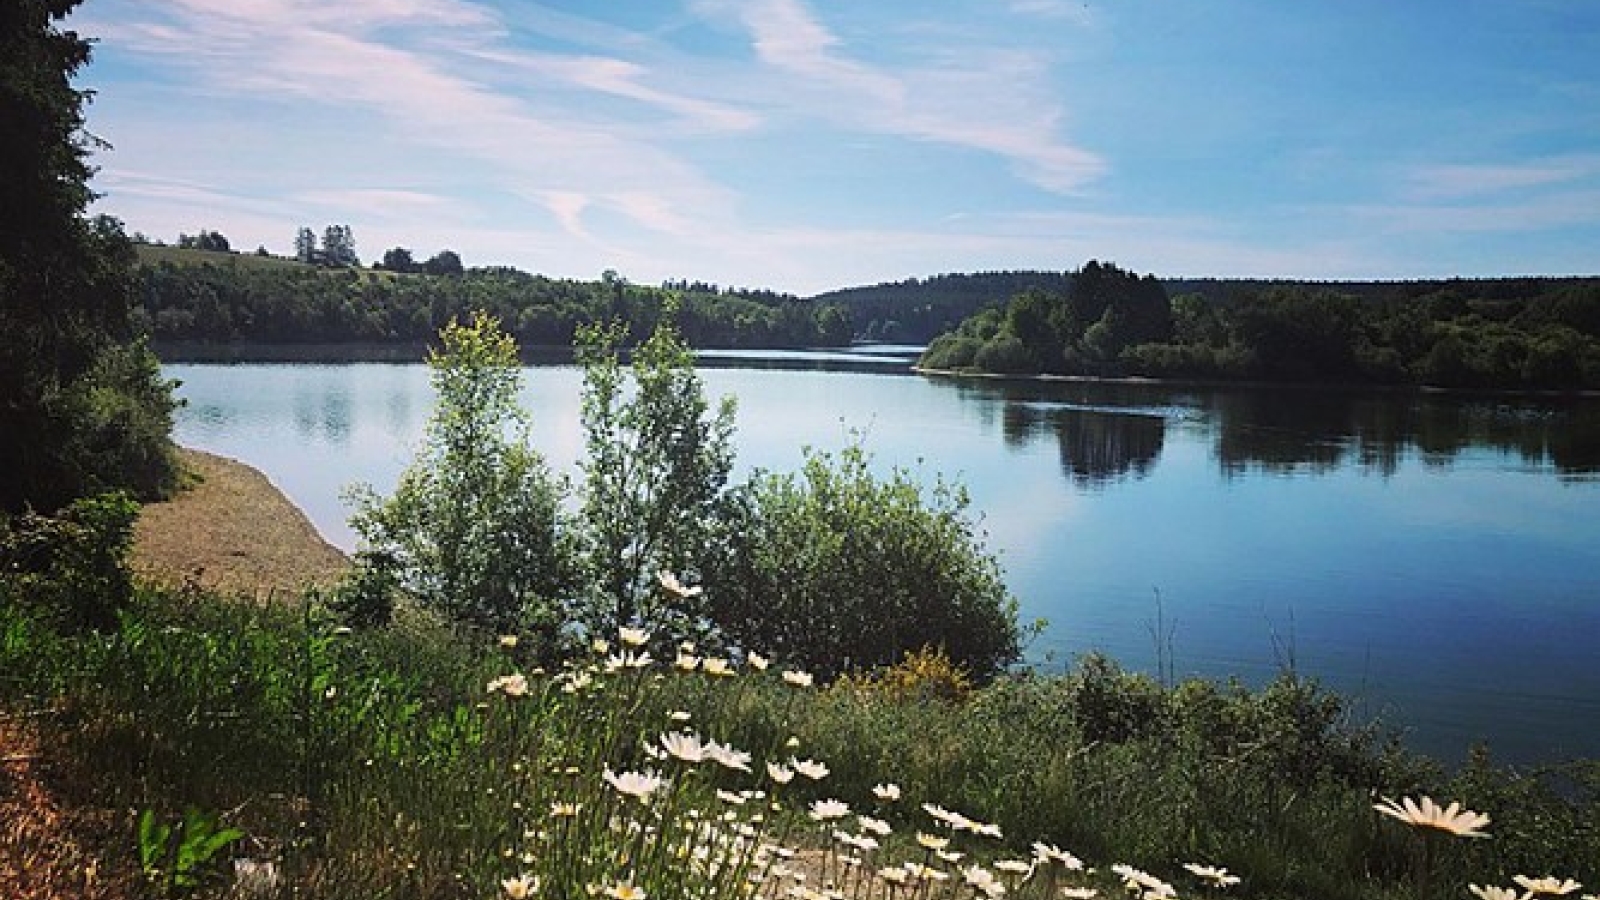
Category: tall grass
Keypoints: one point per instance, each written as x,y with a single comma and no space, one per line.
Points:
415,761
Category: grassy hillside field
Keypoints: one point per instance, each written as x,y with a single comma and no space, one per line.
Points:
153,255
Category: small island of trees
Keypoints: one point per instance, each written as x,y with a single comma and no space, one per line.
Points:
1511,334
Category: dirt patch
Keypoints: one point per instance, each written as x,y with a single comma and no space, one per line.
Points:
235,532
51,849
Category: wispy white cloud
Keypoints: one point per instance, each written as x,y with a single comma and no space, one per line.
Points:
622,78
1450,182
411,74
990,101
814,259
402,63
381,207
785,35
1509,197
1513,215
568,207
653,211
574,139
165,207
126,183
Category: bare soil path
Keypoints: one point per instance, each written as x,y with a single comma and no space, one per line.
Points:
235,532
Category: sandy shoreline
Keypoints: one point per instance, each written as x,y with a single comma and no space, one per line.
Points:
233,531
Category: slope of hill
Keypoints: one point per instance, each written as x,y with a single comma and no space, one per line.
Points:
917,310
156,254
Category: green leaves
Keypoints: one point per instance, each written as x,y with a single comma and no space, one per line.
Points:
841,569
834,569
84,408
176,860
75,564
475,527
153,838
658,460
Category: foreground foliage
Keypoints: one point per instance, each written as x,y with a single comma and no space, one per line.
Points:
838,569
375,763
657,460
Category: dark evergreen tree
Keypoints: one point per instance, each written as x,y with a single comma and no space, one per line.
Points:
339,246
82,405
205,240
305,245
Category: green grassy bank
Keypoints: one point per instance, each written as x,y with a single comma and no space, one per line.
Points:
403,762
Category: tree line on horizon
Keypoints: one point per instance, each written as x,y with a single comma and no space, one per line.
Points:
917,310
282,304
1503,334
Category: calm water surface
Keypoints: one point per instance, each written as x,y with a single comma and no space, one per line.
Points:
1438,558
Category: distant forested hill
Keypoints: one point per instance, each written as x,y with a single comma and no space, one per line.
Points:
1511,332
917,310
214,297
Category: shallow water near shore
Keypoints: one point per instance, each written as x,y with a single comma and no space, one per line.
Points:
1437,558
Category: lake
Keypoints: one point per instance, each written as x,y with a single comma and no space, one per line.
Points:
1435,557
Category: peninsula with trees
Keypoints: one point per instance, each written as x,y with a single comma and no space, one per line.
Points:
1538,334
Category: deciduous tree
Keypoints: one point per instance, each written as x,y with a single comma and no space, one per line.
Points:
658,459
445,262
305,245
475,527
398,259
339,246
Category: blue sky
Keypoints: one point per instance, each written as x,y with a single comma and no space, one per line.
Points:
804,145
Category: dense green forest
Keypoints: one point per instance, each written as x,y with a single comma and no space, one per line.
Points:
220,297
1504,334
917,310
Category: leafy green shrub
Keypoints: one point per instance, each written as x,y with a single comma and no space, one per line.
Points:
1183,360
126,430
366,597
950,351
74,565
1111,704
1005,354
838,570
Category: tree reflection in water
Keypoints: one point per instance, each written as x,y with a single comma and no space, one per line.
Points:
1111,432
1098,446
